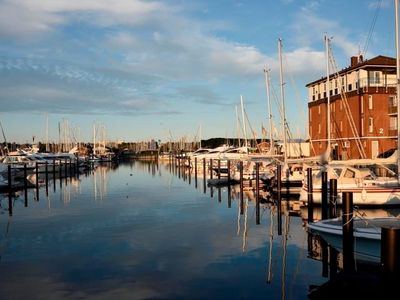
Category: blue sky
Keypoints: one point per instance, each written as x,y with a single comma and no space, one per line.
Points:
156,69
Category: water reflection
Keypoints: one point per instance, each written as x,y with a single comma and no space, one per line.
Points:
145,230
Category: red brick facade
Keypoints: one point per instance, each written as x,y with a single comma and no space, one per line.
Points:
363,110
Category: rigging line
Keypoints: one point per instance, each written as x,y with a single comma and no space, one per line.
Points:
296,90
371,29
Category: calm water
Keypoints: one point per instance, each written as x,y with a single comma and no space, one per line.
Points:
141,231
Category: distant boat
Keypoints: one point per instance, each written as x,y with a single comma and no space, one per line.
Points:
367,234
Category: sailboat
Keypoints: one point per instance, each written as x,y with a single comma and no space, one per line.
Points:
292,172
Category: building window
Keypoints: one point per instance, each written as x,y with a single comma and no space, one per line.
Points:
374,77
319,128
392,101
336,91
362,126
341,126
350,87
324,94
319,109
370,125
393,123
370,102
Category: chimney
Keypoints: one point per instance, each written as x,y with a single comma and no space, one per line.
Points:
353,61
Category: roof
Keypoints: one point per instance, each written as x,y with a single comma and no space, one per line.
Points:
379,60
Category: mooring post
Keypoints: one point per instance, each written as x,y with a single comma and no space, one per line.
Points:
66,168
211,168
241,187
219,169
324,195
37,181
195,172
278,178
229,170
60,168
257,193
332,197
9,190
47,178
348,235
310,204
26,185
204,176
390,249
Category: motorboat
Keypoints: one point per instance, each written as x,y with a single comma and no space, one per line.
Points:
367,188
366,231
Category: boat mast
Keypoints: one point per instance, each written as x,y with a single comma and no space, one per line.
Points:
244,121
396,4
271,142
47,132
328,94
282,97
237,126
94,139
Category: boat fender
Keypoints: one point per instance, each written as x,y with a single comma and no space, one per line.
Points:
364,194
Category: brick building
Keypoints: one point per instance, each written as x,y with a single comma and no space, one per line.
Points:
363,109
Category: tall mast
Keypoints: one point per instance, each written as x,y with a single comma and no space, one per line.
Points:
47,132
94,139
237,125
266,72
282,97
396,4
200,135
328,94
244,121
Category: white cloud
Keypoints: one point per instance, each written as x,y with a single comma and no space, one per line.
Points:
22,18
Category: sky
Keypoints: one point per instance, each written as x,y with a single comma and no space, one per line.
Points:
135,70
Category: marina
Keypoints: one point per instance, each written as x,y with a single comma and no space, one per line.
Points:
163,150
149,229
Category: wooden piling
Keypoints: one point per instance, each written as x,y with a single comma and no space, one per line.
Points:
310,204
257,193
26,185
211,168
348,235
390,249
324,195
279,180
241,188
332,197
47,178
